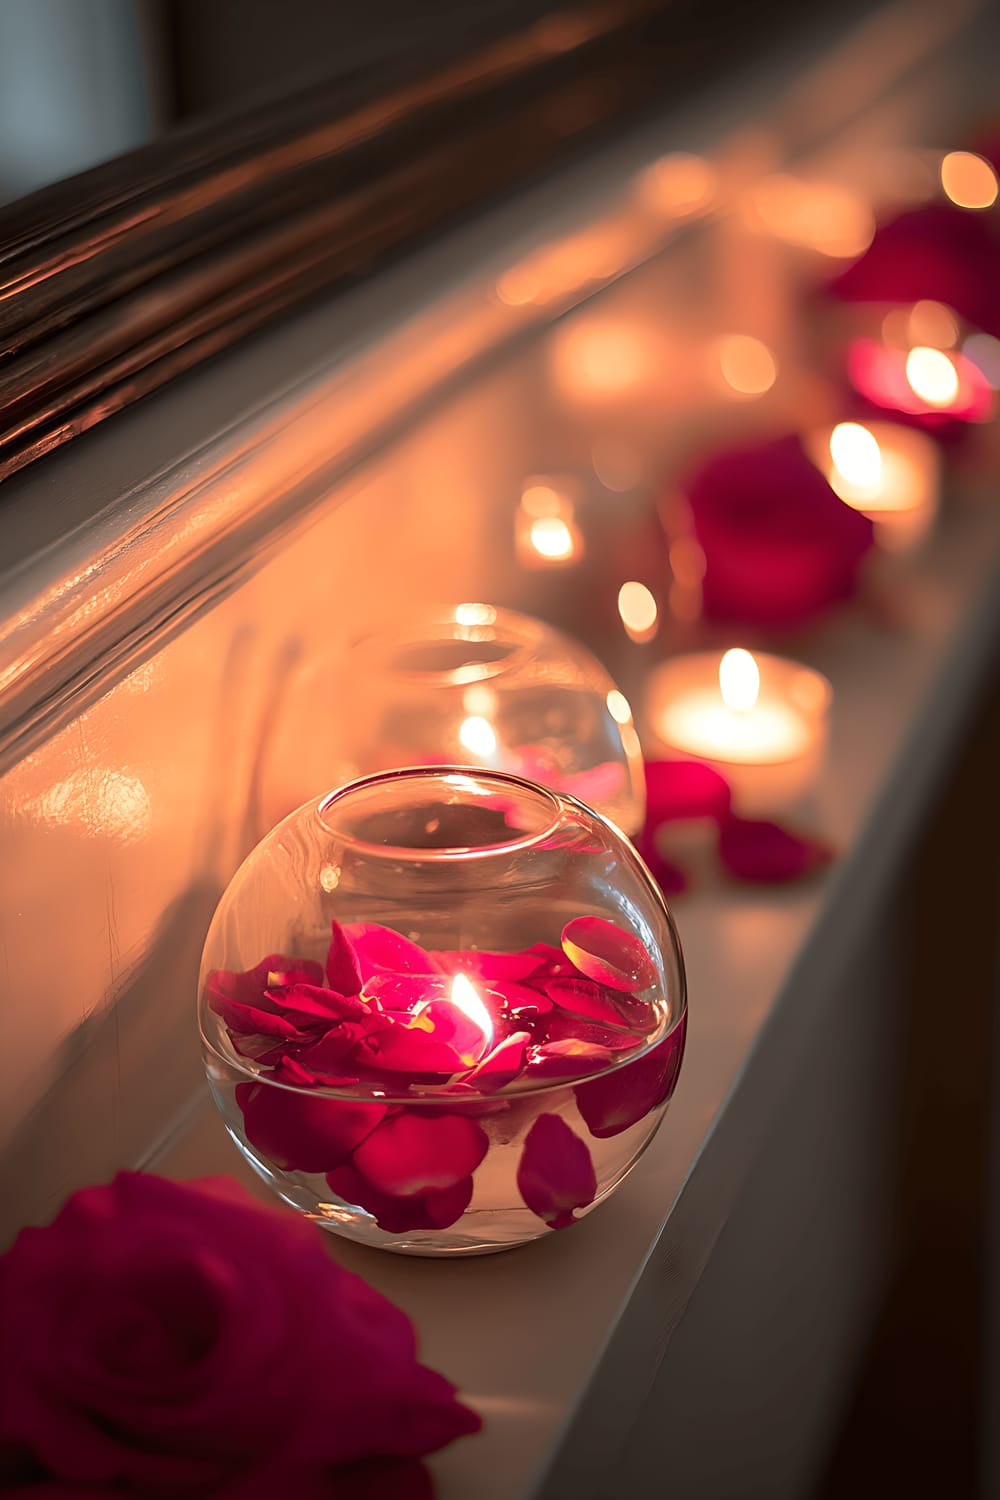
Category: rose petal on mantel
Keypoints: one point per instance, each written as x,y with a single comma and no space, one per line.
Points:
555,1175
595,1002
669,876
304,1132
502,1065
603,951
343,972
486,965
611,1103
764,852
684,789
570,1058
398,1214
416,1152
380,950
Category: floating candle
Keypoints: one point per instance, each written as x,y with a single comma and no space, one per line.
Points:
888,472
760,720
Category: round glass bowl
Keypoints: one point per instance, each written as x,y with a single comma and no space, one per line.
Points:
474,685
443,1010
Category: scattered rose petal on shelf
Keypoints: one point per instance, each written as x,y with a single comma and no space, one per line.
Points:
167,1339
680,789
398,1213
757,850
304,1132
417,1151
780,547
603,951
555,1175
611,1104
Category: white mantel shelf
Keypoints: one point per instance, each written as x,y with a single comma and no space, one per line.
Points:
559,1343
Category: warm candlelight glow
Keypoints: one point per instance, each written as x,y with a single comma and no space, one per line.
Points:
475,614
638,611
679,185
932,376
596,360
551,537
822,216
857,459
888,471
739,680
465,999
747,366
478,736
969,180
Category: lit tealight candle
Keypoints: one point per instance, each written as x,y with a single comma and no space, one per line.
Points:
760,720
889,472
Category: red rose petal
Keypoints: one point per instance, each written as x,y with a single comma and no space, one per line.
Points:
607,953
336,1049
669,876
248,1020
399,1214
502,1065
403,1049
313,1003
379,950
552,963
767,853
595,1002
570,1058
402,992
417,1152
342,969
304,1132
555,1175
612,1103
520,1001
684,789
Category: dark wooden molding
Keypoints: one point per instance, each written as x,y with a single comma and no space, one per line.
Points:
115,281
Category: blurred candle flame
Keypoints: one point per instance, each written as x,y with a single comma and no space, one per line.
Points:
478,736
969,180
857,458
932,376
637,608
739,680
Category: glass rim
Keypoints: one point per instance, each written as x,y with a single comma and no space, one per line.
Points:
539,795
442,1099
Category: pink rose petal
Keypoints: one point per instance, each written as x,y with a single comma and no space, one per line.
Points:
379,950
605,952
336,1049
304,1132
402,992
767,853
519,1002
552,963
684,789
239,997
612,1103
248,1020
555,1175
398,1214
417,1152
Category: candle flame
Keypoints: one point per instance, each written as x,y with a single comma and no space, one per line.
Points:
465,999
551,537
932,376
739,679
478,735
856,455
637,608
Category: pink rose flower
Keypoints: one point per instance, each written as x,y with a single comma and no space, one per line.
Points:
780,547
164,1340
